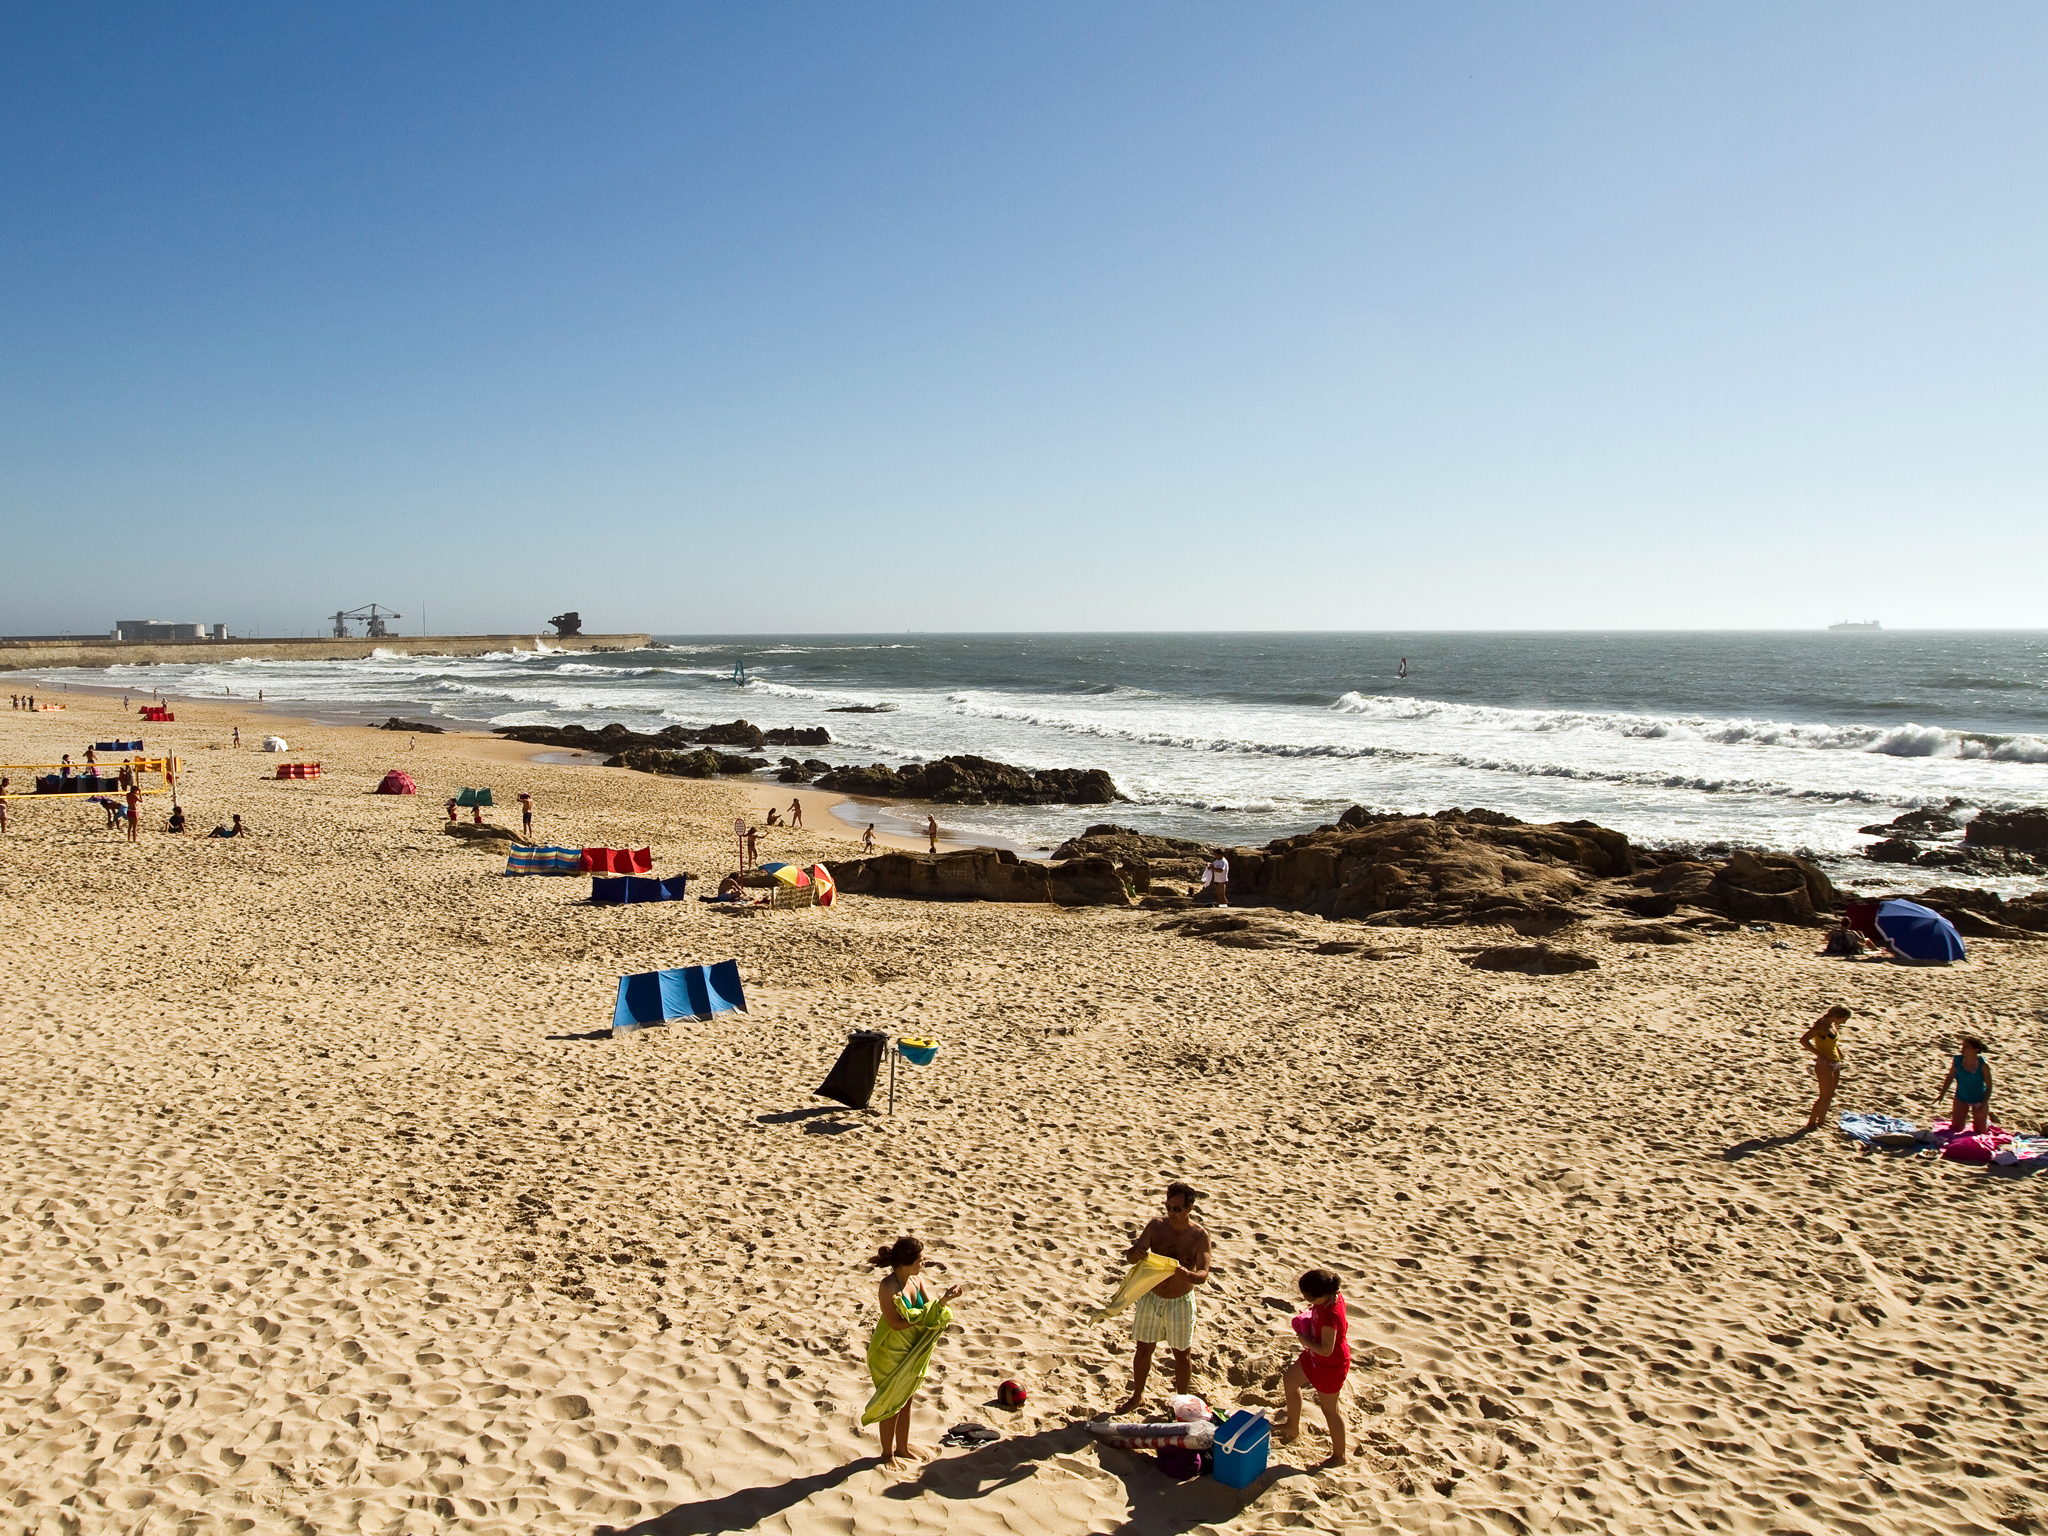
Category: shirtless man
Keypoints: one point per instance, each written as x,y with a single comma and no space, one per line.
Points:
1167,1313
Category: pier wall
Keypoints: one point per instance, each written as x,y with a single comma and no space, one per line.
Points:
18,655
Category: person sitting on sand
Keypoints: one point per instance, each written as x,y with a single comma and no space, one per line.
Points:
1971,1074
1325,1332
1166,1314
1843,943
900,1349
177,821
774,817
1823,1037
235,831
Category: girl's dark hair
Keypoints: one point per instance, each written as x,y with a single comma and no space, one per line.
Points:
1319,1283
905,1250
1982,1048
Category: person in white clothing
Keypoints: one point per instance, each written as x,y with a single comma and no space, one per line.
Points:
1216,880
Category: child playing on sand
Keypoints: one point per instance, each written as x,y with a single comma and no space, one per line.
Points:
1325,1360
900,1349
1971,1074
1823,1038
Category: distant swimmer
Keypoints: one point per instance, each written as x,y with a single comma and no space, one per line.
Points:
1404,668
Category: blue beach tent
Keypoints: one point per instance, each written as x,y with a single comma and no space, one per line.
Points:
688,992
1914,933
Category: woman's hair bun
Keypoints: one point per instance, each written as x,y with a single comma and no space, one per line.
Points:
905,1250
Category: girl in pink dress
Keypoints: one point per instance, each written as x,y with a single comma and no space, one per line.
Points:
1325,1361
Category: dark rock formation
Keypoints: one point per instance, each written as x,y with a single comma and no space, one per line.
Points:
1771,888
2025,830
617,738
862,709
418,727
1531,960
974,781
701,764
1892,850
1986,914
983,874
1241,930
1921,823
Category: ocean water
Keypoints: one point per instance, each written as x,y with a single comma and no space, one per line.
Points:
1786,740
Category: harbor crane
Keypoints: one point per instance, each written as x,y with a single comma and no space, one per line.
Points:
373,619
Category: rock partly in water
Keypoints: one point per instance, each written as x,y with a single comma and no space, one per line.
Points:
967,780
1531,960
862,709
1921,823
701,764
415,727
616,738
2025,830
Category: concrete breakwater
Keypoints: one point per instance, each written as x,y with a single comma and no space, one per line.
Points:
17,655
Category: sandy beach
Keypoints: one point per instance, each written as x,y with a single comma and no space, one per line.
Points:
333,1206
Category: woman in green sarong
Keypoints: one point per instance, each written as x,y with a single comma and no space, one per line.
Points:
900,1350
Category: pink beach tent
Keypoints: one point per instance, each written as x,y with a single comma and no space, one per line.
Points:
397,783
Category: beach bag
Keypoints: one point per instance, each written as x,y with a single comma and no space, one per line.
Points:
1179,1462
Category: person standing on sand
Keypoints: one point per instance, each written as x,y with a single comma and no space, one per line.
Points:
1166,1314
931,830
238,742
796,813
753,847
867,839
134,812
451,808
4,782
900,1348
1325,1333
1971,1074
526,813
1216,878
1823,1037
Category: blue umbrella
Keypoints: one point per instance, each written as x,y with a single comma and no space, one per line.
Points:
1914,933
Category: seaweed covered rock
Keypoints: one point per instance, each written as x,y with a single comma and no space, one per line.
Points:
701,764
967,780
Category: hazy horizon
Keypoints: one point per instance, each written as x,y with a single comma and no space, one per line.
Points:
1211,319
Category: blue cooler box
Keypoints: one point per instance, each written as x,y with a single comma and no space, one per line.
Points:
1243,1442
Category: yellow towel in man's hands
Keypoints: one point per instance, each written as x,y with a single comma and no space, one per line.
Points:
1144,1278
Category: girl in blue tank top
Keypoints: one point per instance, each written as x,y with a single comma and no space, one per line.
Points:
1971,1074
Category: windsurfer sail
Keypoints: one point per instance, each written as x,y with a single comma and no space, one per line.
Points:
739,674
1404,668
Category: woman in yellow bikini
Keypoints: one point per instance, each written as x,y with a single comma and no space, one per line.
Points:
1823,1038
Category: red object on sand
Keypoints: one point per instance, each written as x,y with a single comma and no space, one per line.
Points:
1011,1394
618,861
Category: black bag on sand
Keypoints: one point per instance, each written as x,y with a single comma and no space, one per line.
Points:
852,1078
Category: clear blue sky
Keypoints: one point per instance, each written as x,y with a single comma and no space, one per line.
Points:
844,317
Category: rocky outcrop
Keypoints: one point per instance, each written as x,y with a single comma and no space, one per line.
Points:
984,874
416,727
616,738
1988,915
1453,867
701,764
862,709
974,781
1531,960
1771,888
1649,933
2026,831
794,772
1921,823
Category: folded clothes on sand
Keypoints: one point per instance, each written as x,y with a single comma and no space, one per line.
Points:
1145,1277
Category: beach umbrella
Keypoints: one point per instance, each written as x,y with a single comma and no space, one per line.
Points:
821,877
1913,932
787,874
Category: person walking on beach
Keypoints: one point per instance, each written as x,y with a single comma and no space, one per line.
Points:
796,813
526,813
1216,880
1823,1037
867,839
1325,1333
1166,1313
1971,1074
238,735
134,812
900,1348
931,830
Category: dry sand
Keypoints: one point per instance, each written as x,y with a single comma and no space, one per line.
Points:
332,1207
